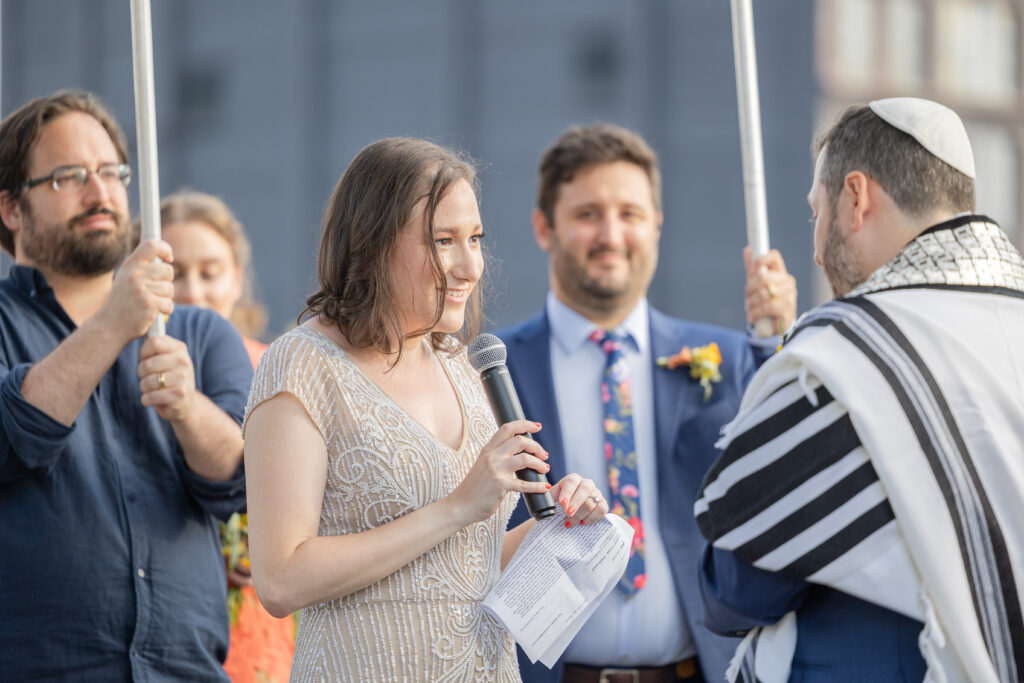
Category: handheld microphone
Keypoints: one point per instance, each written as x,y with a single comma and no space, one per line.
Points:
487,355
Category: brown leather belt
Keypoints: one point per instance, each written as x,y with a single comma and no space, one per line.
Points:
685,670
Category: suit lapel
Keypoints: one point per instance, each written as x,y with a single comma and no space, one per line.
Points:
668,384
529,363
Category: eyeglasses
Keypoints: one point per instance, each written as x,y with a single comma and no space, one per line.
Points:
75,177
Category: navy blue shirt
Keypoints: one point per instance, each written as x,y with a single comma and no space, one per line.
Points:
110,561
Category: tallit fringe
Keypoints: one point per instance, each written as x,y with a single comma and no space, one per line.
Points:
931,640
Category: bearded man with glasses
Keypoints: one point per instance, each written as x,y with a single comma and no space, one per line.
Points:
117,453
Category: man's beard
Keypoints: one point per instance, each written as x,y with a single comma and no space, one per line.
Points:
838,261
604,294
59,249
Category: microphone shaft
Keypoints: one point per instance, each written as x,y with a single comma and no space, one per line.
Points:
506,408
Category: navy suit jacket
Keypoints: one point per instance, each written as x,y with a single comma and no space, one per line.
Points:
686,429
840,638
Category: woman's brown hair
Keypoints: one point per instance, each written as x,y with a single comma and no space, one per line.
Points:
374,199
188,206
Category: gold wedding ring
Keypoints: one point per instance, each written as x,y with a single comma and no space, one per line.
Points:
161,381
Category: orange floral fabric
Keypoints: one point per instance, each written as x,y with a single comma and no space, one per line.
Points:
261,645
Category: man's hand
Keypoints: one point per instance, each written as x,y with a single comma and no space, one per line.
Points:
62,382
209,437
240,576
771,290
166,378
142,290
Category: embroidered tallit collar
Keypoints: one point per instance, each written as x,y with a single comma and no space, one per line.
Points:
966,251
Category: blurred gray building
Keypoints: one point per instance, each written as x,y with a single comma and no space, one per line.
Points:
964,53
264,103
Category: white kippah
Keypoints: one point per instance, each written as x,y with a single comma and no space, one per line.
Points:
936,127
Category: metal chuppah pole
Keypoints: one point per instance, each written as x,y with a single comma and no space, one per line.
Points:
145,125
748,101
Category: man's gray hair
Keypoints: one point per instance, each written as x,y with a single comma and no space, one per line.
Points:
917,181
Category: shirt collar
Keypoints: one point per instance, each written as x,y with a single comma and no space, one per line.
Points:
571,330
28,280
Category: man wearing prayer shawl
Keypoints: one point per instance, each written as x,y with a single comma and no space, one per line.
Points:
866,516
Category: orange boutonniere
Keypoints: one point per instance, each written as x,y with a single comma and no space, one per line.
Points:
703,362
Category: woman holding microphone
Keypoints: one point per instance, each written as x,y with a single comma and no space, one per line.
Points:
379,485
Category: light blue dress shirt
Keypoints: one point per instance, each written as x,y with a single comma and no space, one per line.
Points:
647,629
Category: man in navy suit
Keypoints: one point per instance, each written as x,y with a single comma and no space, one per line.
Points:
599,217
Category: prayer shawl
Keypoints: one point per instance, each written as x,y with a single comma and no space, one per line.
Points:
881,453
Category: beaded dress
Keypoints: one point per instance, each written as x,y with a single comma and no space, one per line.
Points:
424,622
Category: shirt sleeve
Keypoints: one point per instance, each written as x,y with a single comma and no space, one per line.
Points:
30,440
763,348
738,596
223,375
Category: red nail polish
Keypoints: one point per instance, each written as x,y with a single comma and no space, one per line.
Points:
563,502
581,522
569,511
547,486
537,423
567,525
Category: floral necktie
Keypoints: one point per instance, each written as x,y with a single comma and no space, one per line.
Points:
620,452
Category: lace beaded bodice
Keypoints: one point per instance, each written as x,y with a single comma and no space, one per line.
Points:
424,622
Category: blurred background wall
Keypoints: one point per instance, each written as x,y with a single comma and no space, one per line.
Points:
264,103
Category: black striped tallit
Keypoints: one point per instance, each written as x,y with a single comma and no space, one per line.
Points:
981,542
818,450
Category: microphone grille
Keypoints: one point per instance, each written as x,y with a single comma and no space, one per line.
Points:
486,351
